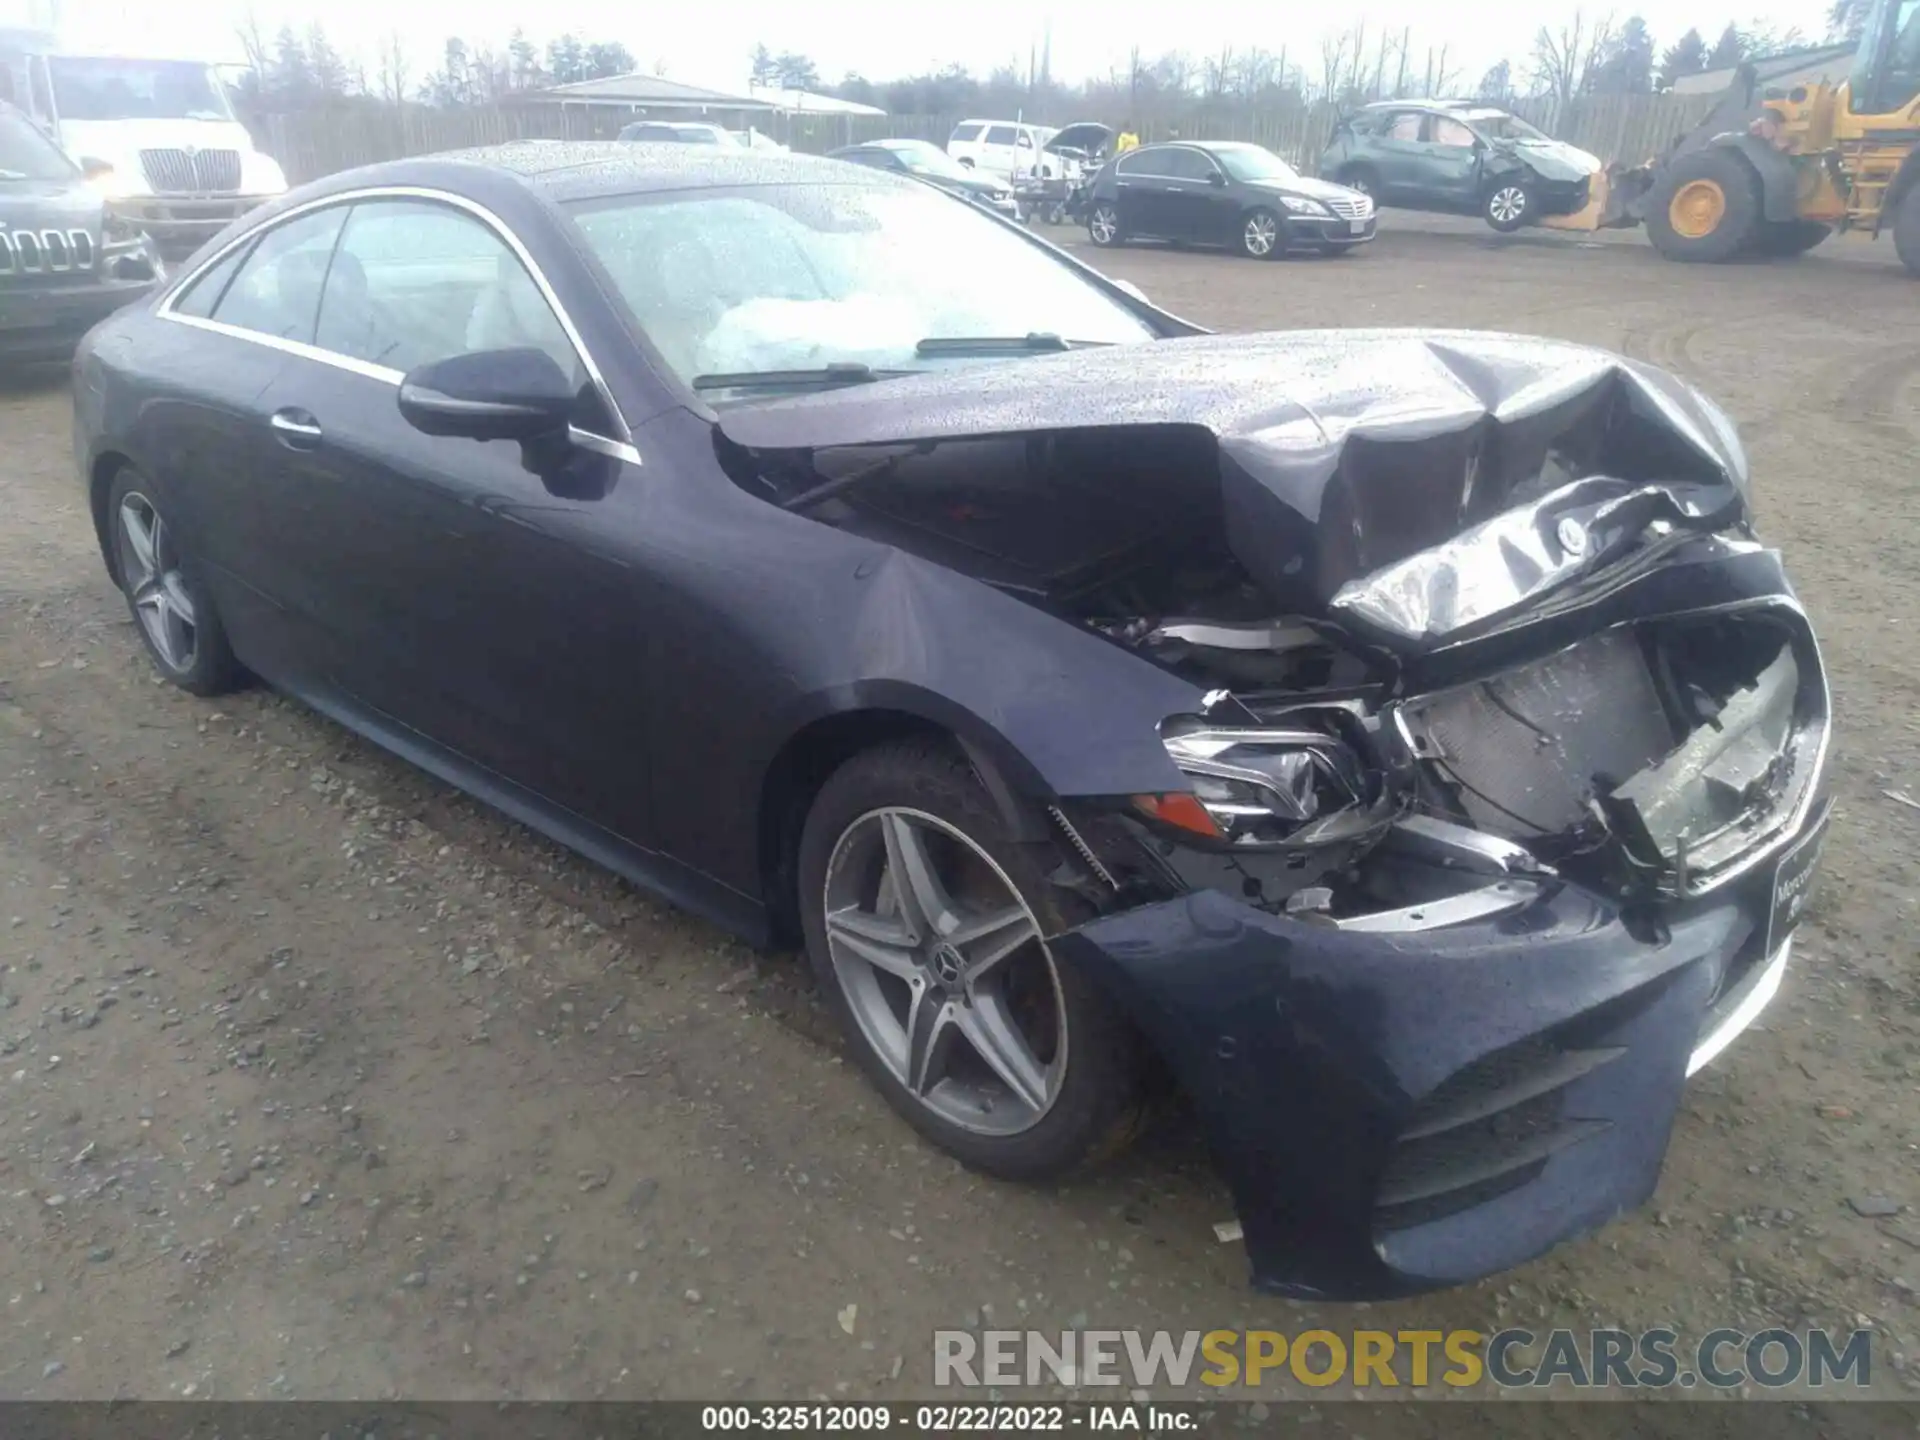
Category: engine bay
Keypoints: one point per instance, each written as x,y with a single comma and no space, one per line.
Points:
1647,761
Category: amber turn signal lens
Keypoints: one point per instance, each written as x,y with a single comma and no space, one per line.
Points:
1180,810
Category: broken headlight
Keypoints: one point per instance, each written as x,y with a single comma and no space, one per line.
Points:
1251,787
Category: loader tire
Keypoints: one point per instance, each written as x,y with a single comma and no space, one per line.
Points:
1906,230
1706,208
1790,238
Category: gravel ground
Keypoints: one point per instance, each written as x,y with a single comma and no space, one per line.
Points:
319,1080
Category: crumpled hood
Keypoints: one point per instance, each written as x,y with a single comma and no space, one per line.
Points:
1554,159
1415,486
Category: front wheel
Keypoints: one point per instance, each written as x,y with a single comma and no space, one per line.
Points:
1789,238
926,924
1103,226
1509,205
1706,207
1263,235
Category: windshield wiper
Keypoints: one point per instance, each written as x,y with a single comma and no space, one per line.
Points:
840,372
1034,343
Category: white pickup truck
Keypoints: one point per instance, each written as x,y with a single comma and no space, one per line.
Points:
156,136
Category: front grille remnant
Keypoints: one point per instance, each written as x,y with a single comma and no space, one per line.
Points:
1356,209
192,172
1488,1129
45,252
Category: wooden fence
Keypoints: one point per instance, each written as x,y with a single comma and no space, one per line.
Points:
309,144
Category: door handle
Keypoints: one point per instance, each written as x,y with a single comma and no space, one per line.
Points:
295,428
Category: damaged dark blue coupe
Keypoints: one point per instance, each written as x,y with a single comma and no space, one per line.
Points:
1397,742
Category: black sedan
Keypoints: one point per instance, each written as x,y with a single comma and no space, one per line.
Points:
1094,700
1224,193
926,161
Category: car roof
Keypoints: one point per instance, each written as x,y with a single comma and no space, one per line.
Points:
564,170
1437,106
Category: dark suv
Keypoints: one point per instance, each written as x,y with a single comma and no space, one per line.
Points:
64,265
1461,158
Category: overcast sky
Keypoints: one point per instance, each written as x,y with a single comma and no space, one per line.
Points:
708,43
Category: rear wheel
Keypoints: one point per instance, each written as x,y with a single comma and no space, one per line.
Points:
1706,208
1103,225
926,923
1788,238
1906,230
171,608
1359,177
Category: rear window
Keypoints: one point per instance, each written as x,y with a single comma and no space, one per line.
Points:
966,132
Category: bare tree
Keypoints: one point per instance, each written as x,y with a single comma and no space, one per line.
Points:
393,70
1333,61
1565,59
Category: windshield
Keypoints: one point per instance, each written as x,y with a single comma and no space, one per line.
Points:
1497,126
1251,162
93,88
925,158
26,154
758,279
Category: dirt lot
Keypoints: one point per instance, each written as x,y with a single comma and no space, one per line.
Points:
318,1080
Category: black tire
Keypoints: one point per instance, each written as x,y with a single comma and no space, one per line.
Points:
208,667
1701,173
1100,1105
1787,239
1103,225
1262,221
1906,230
1508,205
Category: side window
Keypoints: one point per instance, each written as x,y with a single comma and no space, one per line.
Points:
203,294
1135,162
415,282
1185,165
999,135
277,289
1451,132
1405,126
965,134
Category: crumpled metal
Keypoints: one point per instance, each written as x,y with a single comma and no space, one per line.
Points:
1515,559
1395,479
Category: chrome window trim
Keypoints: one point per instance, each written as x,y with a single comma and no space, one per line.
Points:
165,310
585,439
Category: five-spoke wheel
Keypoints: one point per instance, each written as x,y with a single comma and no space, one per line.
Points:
176,619
928,928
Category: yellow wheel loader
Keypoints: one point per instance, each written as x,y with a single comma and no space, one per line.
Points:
1775,171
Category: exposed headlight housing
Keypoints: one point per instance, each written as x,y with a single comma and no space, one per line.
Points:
1301,205
1265,787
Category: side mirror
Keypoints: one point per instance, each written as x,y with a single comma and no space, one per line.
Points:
516,394
1217,180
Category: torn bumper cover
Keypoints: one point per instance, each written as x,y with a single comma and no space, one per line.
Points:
1510,741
